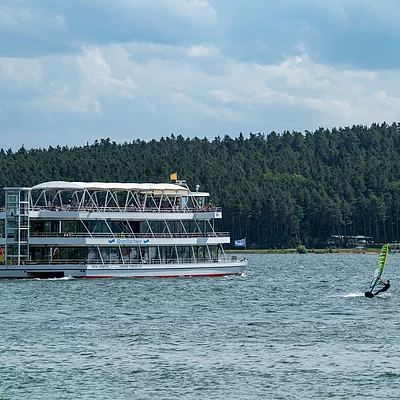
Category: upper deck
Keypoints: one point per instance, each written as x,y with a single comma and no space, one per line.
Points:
118,201
117,214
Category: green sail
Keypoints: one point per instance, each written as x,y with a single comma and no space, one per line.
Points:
379,266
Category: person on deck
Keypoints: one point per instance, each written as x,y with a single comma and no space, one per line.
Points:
386,286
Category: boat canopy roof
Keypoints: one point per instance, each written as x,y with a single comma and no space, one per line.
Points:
62,185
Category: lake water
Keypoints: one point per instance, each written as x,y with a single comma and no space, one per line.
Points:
294,327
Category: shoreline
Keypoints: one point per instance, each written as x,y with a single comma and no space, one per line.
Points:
308,251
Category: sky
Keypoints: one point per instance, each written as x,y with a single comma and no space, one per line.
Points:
76,71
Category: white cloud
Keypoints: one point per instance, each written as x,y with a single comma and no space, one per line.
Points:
18,73
202,51
61,104
73,84
224,96
97,75
125,85
200,67
216,112
58,21
23,18
195,12
6,18
199,12
150,107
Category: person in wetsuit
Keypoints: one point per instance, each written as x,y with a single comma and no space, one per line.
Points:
386,286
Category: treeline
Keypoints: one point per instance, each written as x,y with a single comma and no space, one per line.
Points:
277,190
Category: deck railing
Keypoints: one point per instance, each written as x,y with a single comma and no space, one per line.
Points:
154,261
127,235
130,209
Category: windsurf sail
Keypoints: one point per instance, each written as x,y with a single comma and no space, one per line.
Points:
380,265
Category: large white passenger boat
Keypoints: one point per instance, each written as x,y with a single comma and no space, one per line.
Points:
110,230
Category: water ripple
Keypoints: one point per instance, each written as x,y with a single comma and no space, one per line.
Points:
303,333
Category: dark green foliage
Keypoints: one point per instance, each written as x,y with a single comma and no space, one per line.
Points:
285,190
301,249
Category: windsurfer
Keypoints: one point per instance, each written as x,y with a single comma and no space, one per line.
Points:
386,286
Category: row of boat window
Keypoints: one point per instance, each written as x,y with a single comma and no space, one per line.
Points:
120,227
125,254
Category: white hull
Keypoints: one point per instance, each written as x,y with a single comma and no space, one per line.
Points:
124,271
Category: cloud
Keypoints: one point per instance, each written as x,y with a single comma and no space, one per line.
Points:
25,19
17,74
172,81
35,28
49,86
97,75
216,112
150,107
26,30
138,69
197,13
202,51
342,32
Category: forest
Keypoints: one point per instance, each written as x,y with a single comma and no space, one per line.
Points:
277,190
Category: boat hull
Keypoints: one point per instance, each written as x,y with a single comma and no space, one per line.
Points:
124,271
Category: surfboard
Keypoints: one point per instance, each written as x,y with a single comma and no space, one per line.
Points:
380,265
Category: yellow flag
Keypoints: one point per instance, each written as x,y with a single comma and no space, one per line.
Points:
174,176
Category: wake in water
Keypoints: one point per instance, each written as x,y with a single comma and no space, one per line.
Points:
64,278
360,294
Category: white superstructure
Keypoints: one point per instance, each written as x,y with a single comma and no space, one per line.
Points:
103,230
